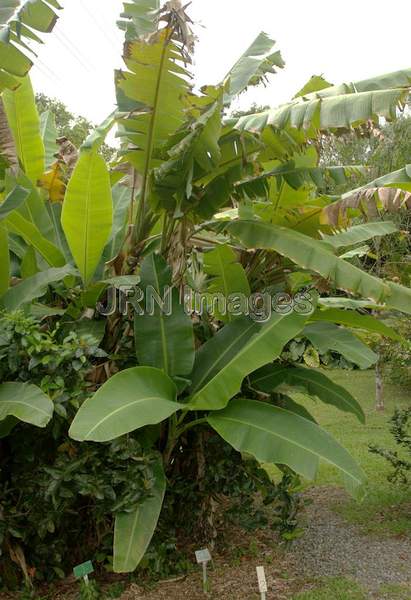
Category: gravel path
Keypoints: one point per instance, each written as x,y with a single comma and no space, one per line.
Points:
330,547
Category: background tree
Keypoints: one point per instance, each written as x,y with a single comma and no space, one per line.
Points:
75,128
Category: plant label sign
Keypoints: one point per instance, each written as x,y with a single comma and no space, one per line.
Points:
203,557
262,582
83,570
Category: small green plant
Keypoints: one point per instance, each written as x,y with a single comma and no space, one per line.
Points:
114,591
89,590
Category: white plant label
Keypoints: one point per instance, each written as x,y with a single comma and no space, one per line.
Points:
203,556
262,582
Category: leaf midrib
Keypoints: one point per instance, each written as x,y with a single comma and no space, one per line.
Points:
124,407
35,408
255,338
227,349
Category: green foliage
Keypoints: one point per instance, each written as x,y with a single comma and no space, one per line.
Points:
337,588
89,590
385,149
47,480
56,362
396,358
401,432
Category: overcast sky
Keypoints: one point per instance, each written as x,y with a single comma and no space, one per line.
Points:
344,40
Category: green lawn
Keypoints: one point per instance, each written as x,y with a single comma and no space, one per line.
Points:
387,507
340,588
337,588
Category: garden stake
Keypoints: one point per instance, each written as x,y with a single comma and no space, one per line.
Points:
262,582
203,557
83,571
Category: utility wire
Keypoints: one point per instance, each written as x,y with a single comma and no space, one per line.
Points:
73,50
98,24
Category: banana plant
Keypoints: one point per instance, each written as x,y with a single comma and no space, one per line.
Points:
20,23
223,205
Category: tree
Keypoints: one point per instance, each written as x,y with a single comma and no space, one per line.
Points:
232,207
75,128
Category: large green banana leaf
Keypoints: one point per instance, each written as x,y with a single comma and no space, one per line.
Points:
34,208
310,381
313,255
341,107
24,122
253,66
33,287
194,153
154,89
360,233
351,318
7,10
133,531
13,201
164,333
140,17
129,400
227,275
4,260
29,266
296,177
121,205
8,154
274,435
395,80
25,402
32,236
328,336
87,214
237,350
19,21
49,135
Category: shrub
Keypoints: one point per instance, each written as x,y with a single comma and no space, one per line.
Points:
401,431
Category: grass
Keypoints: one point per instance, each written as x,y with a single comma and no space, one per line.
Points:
337,588
387,507
394,592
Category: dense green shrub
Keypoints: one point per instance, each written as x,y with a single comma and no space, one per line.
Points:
58,497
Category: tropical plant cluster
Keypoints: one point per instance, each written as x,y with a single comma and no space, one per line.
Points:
224,205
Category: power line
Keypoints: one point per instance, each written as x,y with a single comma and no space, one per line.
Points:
99,26
73,50
47,71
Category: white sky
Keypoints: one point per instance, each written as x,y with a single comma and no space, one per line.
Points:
345,40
